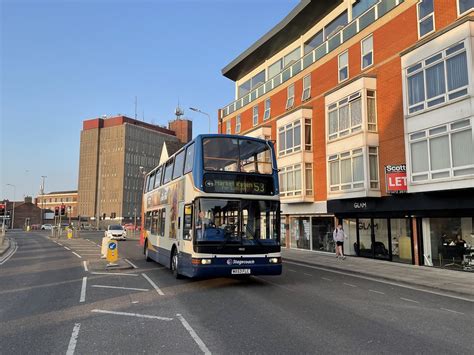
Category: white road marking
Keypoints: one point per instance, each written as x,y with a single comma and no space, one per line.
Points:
382,293
73,341
13,251
351,285
290,270
122,288
438,293
450,310
113,273
85,266
193,334
132,264
307,274
325,278
66,248
59,244
409,300
131,314
154,285
274,284
76,254
83,289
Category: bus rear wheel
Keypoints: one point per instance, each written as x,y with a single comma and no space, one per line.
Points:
174,264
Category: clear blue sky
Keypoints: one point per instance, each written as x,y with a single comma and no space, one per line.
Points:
66,61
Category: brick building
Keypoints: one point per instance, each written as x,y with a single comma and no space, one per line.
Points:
57,198
114,154
370,105
21,213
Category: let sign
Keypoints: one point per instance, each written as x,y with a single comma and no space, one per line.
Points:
396,178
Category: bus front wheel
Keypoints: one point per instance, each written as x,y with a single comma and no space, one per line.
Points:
174,264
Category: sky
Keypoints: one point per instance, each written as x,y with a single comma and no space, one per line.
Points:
66,61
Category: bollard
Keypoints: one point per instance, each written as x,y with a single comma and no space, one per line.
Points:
69,233
103,250
112,253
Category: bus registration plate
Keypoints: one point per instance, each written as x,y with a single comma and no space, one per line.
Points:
240,272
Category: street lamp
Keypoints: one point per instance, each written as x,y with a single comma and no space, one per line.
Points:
13,212
43,177
204,113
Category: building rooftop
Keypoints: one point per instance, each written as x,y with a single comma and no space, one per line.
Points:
295,24
120,120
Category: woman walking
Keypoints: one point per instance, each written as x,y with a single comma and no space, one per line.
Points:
338,235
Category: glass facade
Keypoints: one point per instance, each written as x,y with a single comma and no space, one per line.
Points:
449,242
312,233
300,232
401,239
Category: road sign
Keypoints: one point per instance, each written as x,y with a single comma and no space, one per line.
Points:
112,251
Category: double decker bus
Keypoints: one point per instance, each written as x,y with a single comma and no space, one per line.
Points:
213,209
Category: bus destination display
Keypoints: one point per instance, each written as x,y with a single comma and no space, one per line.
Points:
238,184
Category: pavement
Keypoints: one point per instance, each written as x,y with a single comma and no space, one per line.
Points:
447,281
4,245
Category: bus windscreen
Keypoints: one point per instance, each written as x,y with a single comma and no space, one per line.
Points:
237,155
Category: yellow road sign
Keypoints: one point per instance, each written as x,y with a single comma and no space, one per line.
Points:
112,251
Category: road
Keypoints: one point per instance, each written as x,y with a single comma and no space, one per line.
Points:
52,300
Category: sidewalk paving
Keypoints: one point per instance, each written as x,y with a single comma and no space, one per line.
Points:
447,281
4,246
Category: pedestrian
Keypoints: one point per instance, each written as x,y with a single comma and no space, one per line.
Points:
338,235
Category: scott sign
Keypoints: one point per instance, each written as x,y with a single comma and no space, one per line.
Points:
396,178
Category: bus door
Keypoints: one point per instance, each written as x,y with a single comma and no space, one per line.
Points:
185,226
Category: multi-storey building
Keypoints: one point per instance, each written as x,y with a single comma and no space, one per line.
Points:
57,198
115,153
370,104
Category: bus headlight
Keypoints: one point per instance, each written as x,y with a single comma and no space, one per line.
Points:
196,261
206,261
274,260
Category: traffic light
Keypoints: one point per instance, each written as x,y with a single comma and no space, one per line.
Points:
56,211
63,210
2,209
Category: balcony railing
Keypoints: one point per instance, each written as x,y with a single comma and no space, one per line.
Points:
350,30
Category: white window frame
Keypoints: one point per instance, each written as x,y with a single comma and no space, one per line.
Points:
420,20
294,148
268,105
374,183
308,178
284,172
340,68
371,52
237,124
290,100
255,115
348,186
228,127
306,95
421,66
426,136
371,126
337,106
459,9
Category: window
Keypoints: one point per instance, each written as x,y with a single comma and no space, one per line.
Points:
168,171
149,185
178,165
237,124
227,127
309,179
266,113
371,111
425,17
438,79
284,62
314,42
252,83
291,57
367,52
337,24
158,177
275,68
360,6
188,165
289,138
162,222
374,167
306,88
343,66
442,152
187,222
307,134
255,115
290,180
290,101
345,116
465,5
346,170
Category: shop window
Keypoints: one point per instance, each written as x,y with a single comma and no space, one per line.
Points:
321,234
300,230
425,17
400,233
442,152
266,113
439,79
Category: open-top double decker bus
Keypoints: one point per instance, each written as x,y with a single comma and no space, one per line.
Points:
213,209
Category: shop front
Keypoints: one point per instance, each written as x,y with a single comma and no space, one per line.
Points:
431,229
311,232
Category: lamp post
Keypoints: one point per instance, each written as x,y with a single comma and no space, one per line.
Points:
43,177
143,172
13,212
204,113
